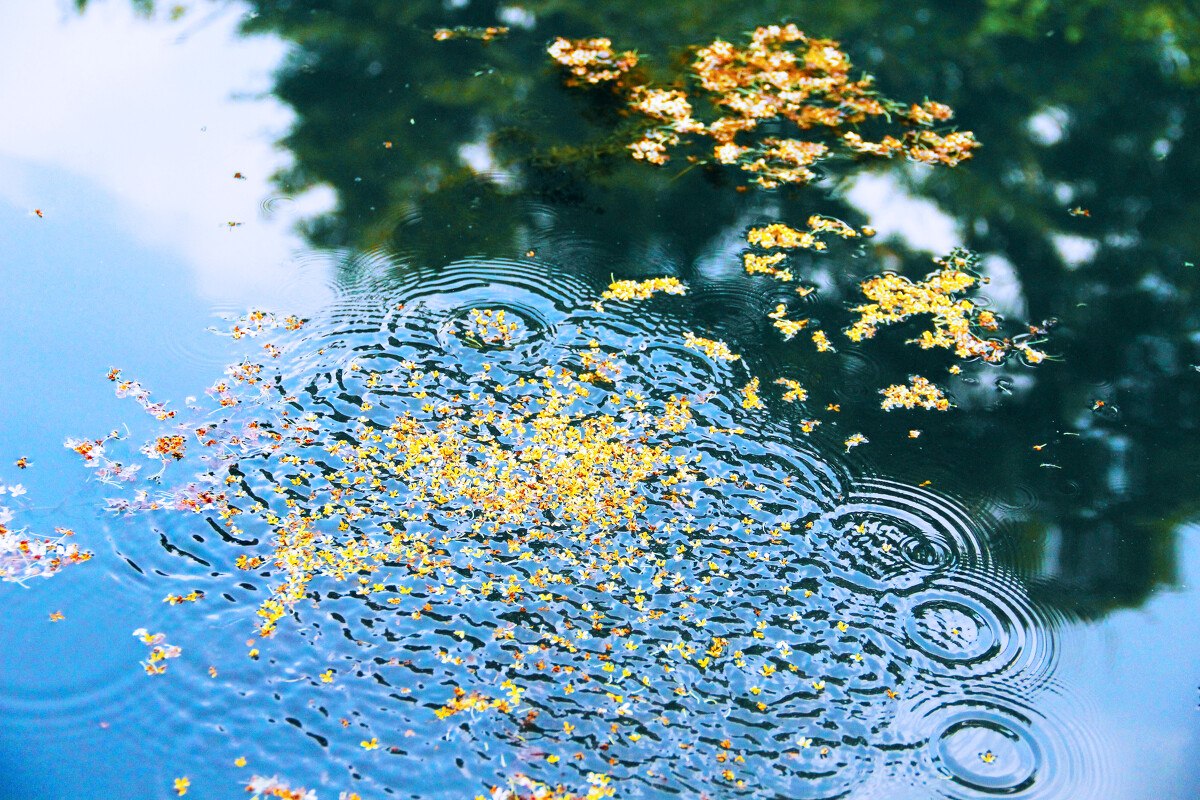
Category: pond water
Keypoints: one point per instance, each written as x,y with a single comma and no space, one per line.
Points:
392,488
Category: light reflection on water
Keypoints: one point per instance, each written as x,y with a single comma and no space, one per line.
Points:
880,644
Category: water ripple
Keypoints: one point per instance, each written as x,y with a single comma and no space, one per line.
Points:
762,622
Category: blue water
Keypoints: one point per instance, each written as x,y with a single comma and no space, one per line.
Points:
1039,615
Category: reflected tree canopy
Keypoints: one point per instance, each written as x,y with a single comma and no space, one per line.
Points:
444,149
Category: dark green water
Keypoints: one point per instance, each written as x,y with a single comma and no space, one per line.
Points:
1004,605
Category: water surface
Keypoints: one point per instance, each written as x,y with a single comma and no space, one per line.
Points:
1000,606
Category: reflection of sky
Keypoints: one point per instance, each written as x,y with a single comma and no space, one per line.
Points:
125,134
1141,670
892,212
146,111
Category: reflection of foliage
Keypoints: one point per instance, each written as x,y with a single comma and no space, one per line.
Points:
1078,103
1173,27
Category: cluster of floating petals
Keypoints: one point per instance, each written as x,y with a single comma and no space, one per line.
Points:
795,392
750,398
779,235
591,61
164,447
781,78
920,393
522,787
141,396
571,537
766,265
642,290
90,450
526,467
822,342
713,348
257,321
23,556
467,32
155,663
788,327
262,788
591,539
955,318
600,366
490,327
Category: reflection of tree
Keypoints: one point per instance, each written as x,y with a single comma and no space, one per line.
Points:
438,150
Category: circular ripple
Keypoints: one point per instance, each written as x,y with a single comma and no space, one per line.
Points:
988,752
903,536
492,326
858,376
982,625
988,740
1015,499
953,629
273,205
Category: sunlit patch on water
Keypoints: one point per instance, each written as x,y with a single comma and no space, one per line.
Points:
491,529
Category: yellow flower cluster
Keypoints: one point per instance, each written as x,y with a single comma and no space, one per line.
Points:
781,77
789,327
750,398
546,465
473,701
591,60
822,342
921,393
710,347
820,224
896,298
653,147
600,367
159,653
780,235
574,519
642,290
765,265
795,392
490,327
